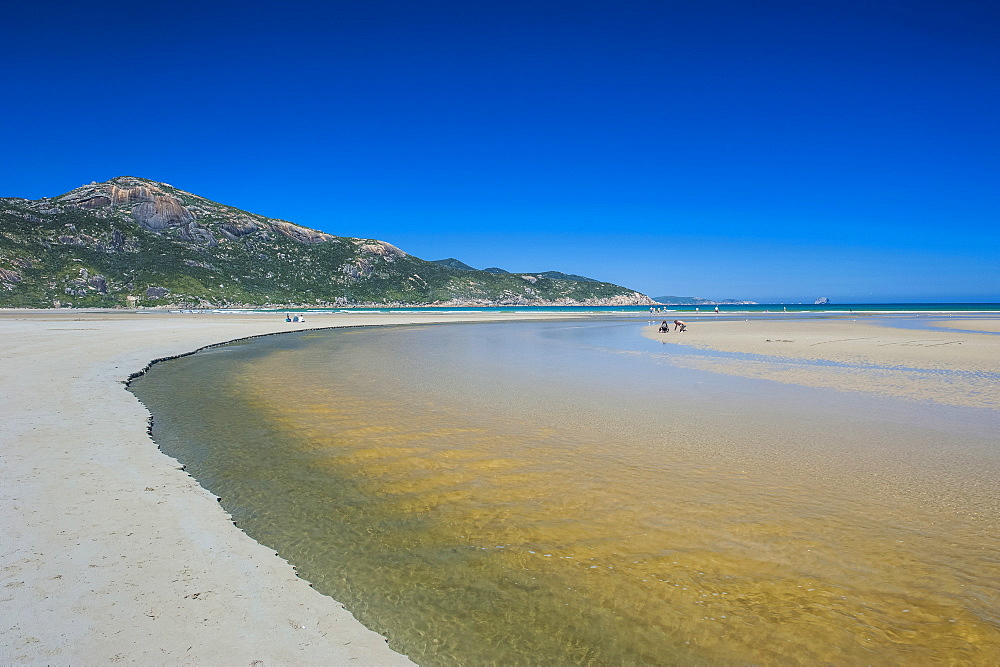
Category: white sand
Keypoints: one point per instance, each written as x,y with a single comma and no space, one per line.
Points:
110,552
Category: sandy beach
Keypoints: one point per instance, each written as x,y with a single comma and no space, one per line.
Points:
111,552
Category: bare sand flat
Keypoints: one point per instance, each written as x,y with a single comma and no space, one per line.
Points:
853,354
109,551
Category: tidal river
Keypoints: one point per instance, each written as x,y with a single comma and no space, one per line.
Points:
561,493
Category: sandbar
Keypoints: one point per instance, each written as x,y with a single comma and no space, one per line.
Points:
110,551
865,354
988,325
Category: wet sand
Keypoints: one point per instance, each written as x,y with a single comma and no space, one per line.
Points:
853,354
110,552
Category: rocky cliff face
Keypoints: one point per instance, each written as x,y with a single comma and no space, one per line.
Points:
131,241
157,207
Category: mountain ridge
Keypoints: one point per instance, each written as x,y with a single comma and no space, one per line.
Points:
558,275
135,242
699,301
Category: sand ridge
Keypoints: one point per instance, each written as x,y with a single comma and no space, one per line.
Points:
110,551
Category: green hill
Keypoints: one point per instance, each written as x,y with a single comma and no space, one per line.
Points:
135,242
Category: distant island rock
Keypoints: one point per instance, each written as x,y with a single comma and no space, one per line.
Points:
698,301
822,301
133,242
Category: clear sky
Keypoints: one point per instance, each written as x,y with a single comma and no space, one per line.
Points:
774,150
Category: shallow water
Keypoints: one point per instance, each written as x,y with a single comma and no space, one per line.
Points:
561,493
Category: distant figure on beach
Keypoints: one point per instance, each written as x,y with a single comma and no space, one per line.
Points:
664,327
716,309
680,326
302,317
295,319
288,318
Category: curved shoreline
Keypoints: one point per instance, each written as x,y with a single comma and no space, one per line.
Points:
289,380
113,552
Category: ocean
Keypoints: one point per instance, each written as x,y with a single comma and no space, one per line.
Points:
565,493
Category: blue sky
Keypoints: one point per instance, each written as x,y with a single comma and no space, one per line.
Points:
774,150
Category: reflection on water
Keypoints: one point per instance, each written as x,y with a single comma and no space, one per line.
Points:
516,493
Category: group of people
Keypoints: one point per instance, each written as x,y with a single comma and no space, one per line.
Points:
678,326
296,318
